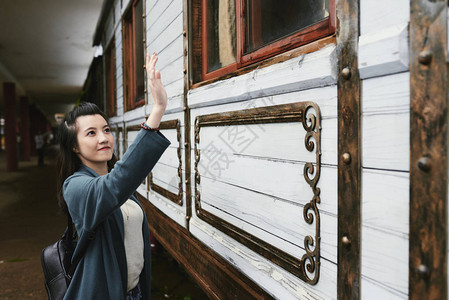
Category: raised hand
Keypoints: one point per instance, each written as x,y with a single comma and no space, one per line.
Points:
154,81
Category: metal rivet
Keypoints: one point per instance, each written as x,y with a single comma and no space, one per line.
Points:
143,16
186,145
346,241
184,33
185,107
144,40
187,181
423,271
424,164
346,158
425,57
346,73
185,71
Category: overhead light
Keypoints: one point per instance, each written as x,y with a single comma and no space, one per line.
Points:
59,118
98,50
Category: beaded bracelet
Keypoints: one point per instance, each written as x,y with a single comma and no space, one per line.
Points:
146,127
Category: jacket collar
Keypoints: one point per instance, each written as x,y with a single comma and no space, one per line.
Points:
86,170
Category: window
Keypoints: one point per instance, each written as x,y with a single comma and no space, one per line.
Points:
111,99
237,33
133,57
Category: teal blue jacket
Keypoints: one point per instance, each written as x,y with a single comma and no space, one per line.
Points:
94,204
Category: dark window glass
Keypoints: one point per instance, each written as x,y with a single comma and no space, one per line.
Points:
271,20
133,57
221,34
110,80
139,51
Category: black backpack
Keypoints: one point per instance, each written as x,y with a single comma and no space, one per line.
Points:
57,263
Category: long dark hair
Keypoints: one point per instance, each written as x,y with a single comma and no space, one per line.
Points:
68,162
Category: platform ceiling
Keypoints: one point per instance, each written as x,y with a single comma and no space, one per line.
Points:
46,49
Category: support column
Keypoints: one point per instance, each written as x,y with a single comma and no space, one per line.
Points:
25,128
428,150
349,152
9,92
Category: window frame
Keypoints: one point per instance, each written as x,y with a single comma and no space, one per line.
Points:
110,79
314,32
130,86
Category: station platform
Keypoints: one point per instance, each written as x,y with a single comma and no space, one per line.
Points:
30,220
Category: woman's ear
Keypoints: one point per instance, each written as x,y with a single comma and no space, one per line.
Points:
75,149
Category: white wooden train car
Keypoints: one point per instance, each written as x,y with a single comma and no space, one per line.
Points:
308,155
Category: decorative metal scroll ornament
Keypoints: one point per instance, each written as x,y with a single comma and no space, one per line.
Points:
311,259
308,113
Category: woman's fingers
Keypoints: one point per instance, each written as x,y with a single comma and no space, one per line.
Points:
151,65
154,80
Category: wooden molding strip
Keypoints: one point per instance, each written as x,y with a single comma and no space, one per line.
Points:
349,158
428,150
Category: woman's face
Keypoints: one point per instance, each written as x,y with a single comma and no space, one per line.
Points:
95,141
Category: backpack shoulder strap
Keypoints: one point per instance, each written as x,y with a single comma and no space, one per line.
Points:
71,238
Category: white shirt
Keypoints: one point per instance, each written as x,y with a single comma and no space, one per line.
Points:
132,221
39,140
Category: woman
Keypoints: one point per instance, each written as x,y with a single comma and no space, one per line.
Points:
108,218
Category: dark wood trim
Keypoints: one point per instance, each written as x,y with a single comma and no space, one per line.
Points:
349,154
127,64
176,198
428,150
187,75
204,44
307,267
144,41
232,68
133,128
217,277
111,83
195,40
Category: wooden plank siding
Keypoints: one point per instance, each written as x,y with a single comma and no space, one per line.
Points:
247,197
385,148
369,204
385,188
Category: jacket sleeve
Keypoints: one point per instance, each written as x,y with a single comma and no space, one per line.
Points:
91,200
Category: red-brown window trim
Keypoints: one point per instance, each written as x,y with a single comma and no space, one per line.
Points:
312,33
129,59
111,83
